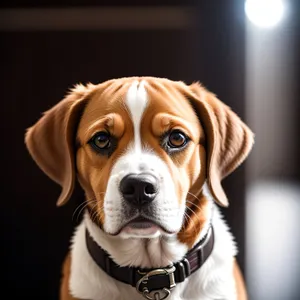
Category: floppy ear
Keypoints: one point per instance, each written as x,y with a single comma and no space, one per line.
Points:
51,140
229,140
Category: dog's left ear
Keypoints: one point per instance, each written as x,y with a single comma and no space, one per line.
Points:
229,140
51,140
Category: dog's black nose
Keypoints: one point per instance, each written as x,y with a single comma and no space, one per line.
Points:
139,189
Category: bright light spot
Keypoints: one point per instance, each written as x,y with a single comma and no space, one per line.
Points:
264,13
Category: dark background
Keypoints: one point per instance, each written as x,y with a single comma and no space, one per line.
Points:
37,68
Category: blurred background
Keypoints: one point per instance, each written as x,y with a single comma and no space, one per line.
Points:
246,53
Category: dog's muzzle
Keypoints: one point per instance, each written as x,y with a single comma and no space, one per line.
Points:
139,190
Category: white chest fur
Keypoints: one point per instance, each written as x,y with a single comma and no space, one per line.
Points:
214,280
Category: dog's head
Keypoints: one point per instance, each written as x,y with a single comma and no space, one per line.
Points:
142,149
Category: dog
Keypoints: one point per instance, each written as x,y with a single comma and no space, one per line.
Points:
150,155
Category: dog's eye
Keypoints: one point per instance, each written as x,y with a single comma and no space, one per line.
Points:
101,140
177,139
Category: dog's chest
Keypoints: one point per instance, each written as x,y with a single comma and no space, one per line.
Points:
213,280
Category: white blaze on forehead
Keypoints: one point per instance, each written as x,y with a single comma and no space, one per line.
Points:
136,101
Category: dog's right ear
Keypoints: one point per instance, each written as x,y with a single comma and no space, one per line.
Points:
51,140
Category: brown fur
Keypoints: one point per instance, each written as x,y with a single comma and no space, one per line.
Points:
64,287
239,282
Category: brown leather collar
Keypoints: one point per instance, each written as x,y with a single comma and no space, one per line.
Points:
149,281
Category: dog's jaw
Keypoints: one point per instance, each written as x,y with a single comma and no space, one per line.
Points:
157,251
137,251
212,281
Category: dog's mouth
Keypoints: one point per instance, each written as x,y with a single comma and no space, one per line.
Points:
140,223
142,226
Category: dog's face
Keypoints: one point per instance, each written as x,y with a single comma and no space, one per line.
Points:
139,152
142,149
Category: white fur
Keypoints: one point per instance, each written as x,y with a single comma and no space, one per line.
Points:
213,280
136,102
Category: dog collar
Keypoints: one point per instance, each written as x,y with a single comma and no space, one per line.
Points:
149,282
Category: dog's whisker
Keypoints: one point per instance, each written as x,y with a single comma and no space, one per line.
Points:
194,204
195,197
96,213
81,204
185,220
84,204
193,213
83,207
101,212
189,218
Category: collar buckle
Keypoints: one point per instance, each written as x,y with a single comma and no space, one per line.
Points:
142,288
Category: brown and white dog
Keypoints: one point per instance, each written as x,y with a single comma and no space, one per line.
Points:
150,154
